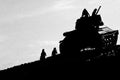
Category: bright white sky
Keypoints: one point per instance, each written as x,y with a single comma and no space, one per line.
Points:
27,26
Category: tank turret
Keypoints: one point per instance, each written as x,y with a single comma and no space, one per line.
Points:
88,34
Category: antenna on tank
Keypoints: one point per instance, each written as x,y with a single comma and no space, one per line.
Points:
98,9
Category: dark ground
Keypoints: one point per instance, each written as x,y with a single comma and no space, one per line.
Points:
59,65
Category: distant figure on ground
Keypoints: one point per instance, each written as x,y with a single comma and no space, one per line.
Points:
54,52
43,54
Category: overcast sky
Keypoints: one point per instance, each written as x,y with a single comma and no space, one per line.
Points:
27,26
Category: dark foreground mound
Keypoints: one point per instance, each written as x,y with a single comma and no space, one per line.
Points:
61,65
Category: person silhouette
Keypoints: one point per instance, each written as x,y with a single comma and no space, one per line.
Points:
82,22
96,19
54,52
43,54
85,13
94,12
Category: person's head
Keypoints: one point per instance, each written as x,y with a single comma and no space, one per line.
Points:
85,13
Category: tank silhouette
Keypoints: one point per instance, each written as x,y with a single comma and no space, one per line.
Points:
88,35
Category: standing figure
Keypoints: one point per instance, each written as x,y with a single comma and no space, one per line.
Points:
43,54
54,52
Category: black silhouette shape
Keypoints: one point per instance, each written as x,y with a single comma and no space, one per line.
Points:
94,12
54,52
85,34
43,55
85,13
85,47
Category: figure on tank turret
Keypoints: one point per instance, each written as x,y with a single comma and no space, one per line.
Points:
85,34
